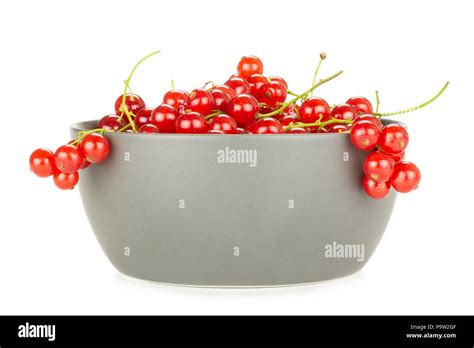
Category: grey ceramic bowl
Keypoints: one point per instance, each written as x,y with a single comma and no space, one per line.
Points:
233,210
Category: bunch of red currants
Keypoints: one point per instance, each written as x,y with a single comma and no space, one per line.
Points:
385,167
65,163
247,103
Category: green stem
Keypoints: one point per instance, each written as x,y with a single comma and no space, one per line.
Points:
127,82
322,57
292,93
208,83
172,84
127,126
382,114
377,100
214,113
318,123
82,134
298,97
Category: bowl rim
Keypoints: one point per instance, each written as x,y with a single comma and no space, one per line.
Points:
79,126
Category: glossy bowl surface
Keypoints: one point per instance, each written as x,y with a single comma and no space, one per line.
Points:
233,210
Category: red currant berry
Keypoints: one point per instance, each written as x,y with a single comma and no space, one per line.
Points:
317,129
273,93
378,166
243,109
200,100
223,123
297,130
215,131
343,112
393,139
314,108
267,125
360,104
221,100
291,110
84,164
406,177
164,117
65,181
364,135
95,147
238,85
371,118
250,128
42,162
68,158
279,79
287,120
374,189
256,81
110,122
175,98
133,103
265,109
148,129
249,65
398,157
226,89
143,117
191,123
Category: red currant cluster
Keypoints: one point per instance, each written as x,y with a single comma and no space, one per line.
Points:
65,163
384,167
247,103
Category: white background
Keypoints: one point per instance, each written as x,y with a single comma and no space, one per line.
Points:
62,62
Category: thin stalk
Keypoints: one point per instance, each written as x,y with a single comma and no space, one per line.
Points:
215,113
82,134
292,93
377,101
298,97
124,96
322,56
383,114
318,123
127,126
208,83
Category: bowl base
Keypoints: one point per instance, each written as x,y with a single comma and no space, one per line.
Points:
238,287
